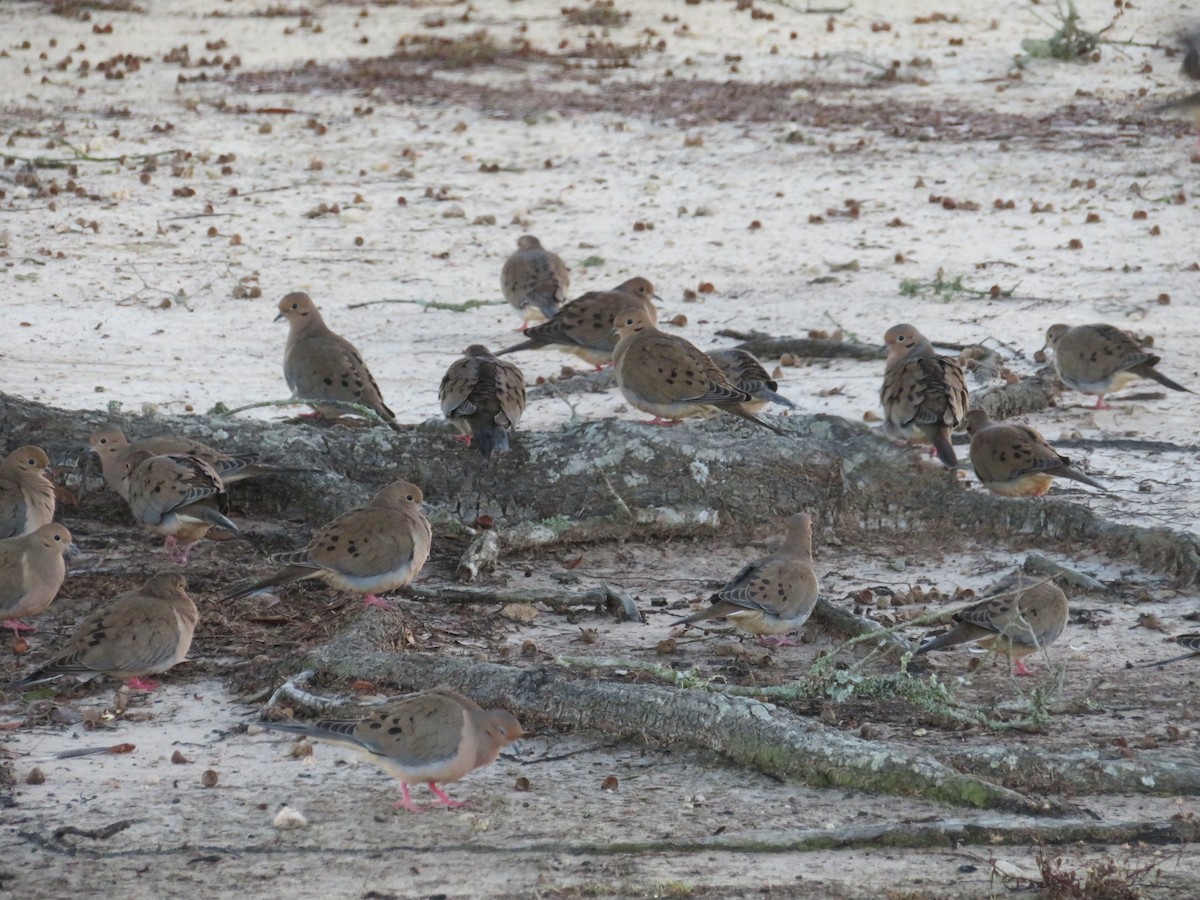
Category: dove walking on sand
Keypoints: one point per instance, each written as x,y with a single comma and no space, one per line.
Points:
178,496
142,632
534,280
484,398
1100,359
32,569
1015,460
671,378
26,492
320,365
435,737
774,595
1019,616
376,548
1190,641
746,373
584,326
924,395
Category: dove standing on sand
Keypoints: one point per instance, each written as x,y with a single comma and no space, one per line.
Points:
32,570
534,280
1100,359
435,737
26,492
178,496
1015,460
320,365
141,632
774,595
584,326
1190,104
669,377
746,373
1190,641
484,398
924,395
376,548
1019,616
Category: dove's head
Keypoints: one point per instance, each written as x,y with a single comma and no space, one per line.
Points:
528,242
297,307
54,537
1054,334
901,339
108,441
165,585
398,495
975,421
477,350
638,287
631,321
29,459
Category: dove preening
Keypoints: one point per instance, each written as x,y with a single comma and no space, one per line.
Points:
746,373
1191,641
178,496
377,548
32,570
774,595
435,737
924,395
142,632
1019,616
534,280
670,377
320,365
1015,460
1100,359
26,492
484,398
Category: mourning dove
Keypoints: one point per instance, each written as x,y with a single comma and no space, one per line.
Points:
26,492
436,737
1191,69
376,548
669,377
774,595
1100,359
31,572
924,395
746,373
1191,641
584,326
141,632
483,397
1019,616
178,496
320,365
534,280
1015,460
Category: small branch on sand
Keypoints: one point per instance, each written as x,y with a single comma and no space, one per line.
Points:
1036,564
769,347
357,409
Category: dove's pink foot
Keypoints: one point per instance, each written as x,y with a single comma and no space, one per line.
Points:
372,600
137,684
444,799
310,415
666,423
524,327
176,551
462,439
17,626
1100,404
781,641
1021,669
406,801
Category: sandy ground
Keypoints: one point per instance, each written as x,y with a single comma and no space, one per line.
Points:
128,280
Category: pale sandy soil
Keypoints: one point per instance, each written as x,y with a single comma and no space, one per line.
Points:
84,325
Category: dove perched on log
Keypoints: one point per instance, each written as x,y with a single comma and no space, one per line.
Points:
584,326
1100,359
178,496
1019,616
376,548
26,492
670,377
32,570
534,280
435,737
141,632
1191,641
924,395
484,398
746,373
1015,460
774,595
320,365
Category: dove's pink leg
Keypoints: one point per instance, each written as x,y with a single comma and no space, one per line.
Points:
462,439
17,626
1021,670
444,799
177,551
781,641
524,325
666,423
1100,404
372,600
406,800
136,684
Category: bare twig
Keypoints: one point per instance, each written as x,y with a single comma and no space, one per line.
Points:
1035,563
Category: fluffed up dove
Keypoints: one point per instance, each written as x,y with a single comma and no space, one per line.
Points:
1191,641
376,548
435,737
534,280
924,395
584,326
178,496
484,398
746,373
1101,359
1015,460
320,365
140,633
1018,616
774,595
26,492
32,570
669,377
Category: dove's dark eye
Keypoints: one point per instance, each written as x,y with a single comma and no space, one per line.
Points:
57,538
411,498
